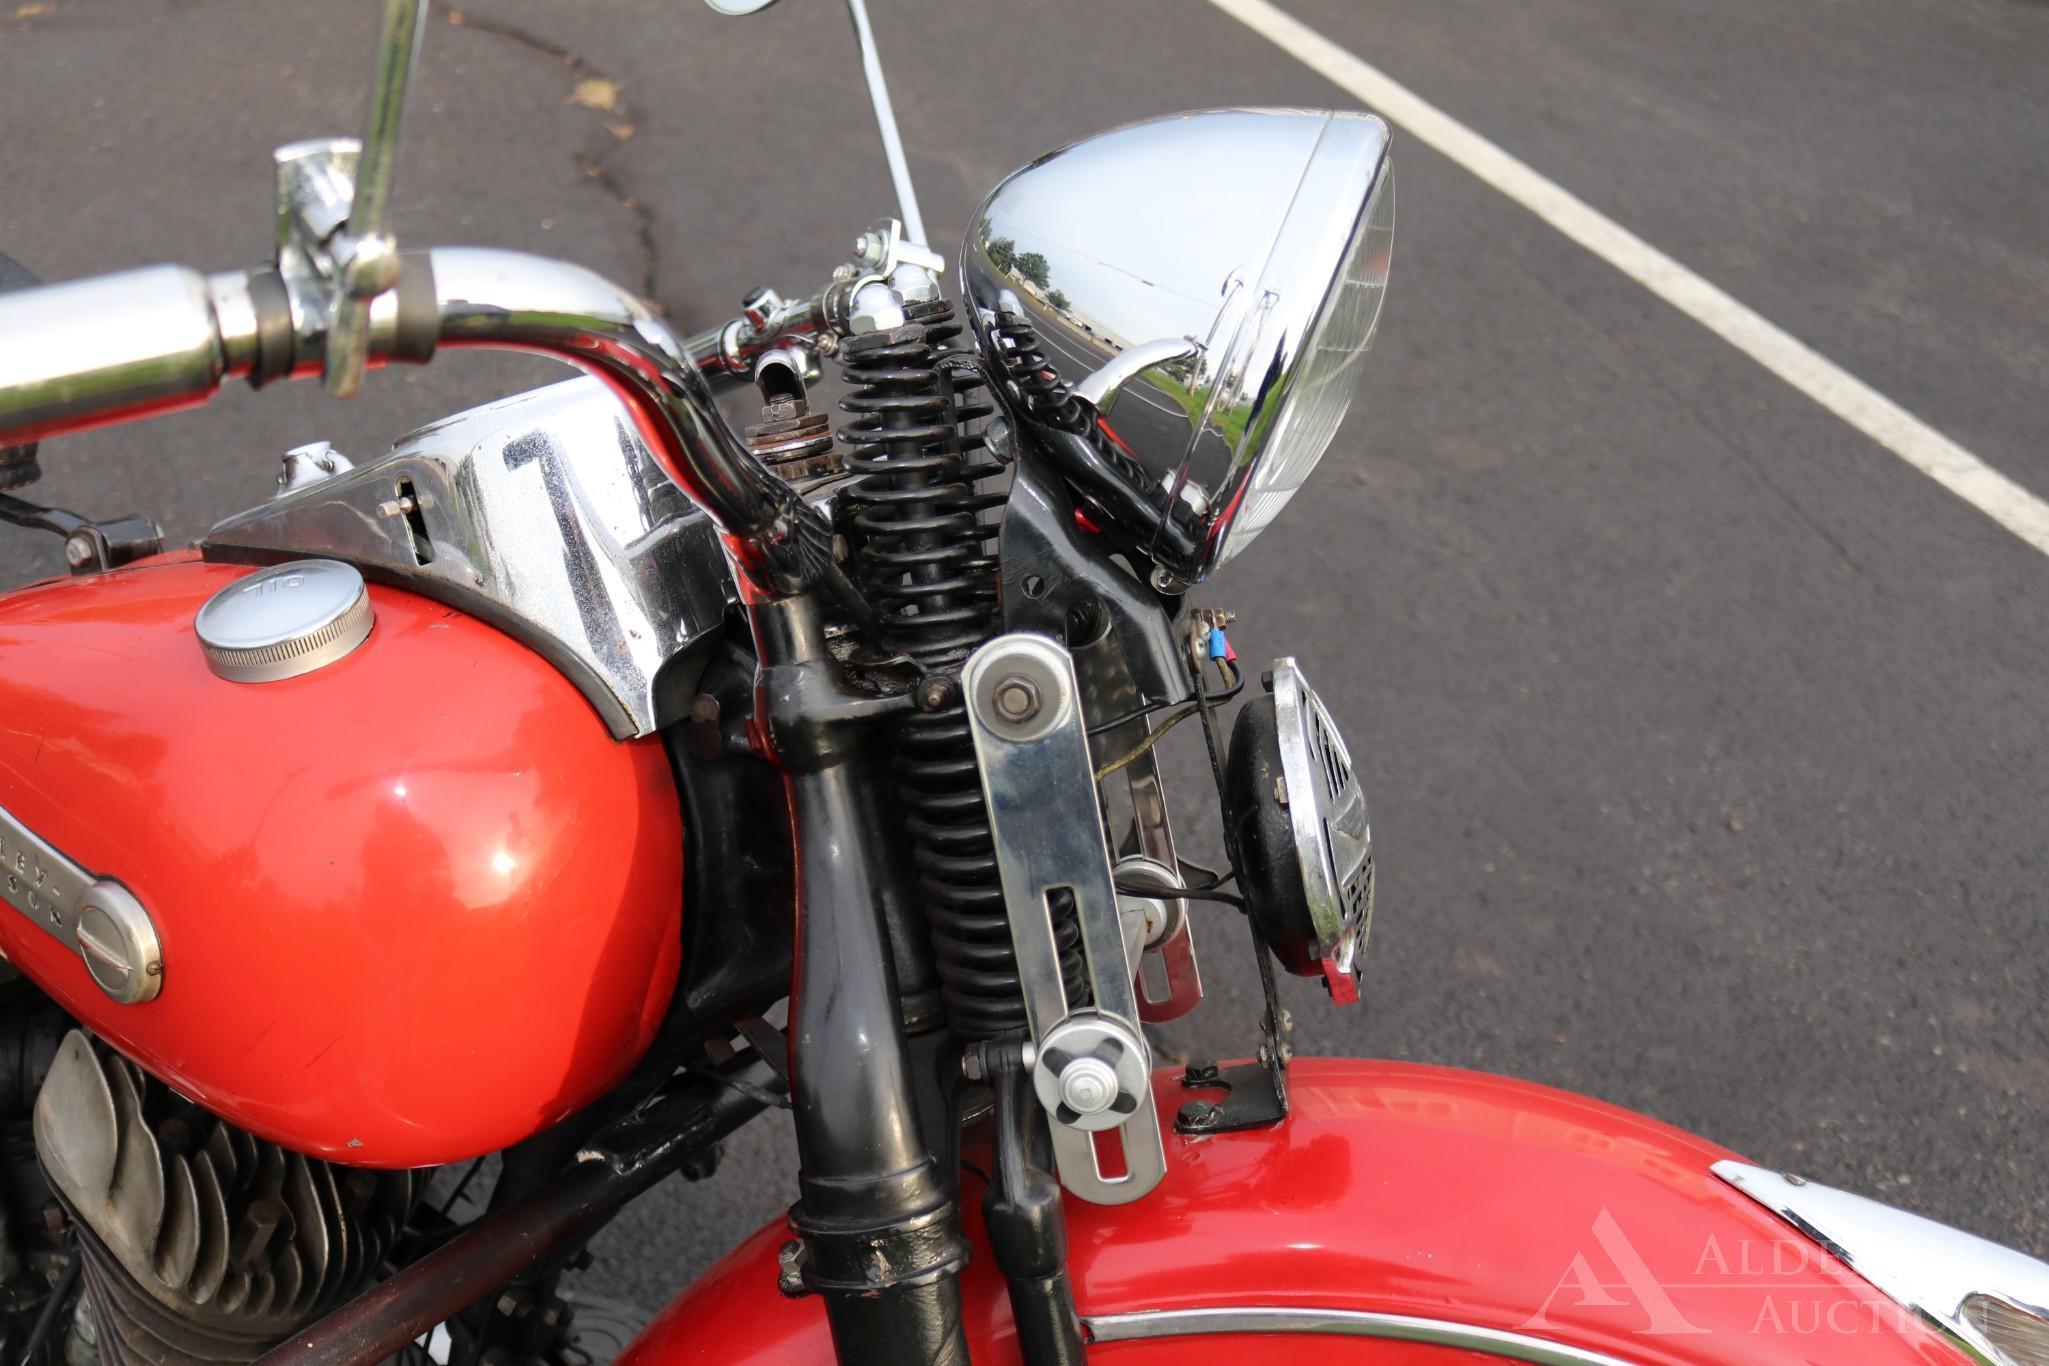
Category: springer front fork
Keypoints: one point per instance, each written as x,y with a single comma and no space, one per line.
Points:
877,1217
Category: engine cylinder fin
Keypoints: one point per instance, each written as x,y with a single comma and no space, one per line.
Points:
177,1250
202,1242
210,1267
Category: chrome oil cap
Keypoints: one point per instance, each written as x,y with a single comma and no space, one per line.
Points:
284,621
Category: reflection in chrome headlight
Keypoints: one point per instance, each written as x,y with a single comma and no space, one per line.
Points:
1219,273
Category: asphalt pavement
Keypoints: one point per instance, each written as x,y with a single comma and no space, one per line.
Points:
1705,738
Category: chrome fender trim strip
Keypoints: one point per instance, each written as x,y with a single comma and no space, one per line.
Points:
1954,1281
1350,1323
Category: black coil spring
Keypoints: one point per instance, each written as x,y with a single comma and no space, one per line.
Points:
922,556
922,552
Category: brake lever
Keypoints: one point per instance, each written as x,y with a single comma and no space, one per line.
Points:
89,546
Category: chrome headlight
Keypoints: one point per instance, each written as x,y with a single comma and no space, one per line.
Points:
1209,281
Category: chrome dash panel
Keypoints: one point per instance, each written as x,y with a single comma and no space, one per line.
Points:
544,514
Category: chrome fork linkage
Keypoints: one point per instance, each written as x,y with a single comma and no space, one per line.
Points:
1090,1064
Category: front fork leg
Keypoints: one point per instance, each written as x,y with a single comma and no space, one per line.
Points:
876,1215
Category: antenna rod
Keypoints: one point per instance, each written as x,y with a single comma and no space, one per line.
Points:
885,120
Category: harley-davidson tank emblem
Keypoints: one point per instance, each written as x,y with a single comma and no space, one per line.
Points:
98,919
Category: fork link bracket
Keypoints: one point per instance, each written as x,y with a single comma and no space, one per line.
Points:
1091,1067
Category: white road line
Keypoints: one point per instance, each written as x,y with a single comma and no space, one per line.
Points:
1771,346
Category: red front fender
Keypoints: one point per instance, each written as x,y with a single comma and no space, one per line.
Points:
1424,1204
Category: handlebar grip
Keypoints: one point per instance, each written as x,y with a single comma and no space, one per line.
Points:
115,347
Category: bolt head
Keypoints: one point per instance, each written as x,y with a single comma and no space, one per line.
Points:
1088,1086
1017,698
77,552
790,1269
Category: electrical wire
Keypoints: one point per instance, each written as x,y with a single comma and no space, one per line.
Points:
1235,679
762,1096
1143,747
1236,685
1135,888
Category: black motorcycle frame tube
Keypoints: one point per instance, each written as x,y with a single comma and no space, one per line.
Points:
876,1214
934,1048
506,1242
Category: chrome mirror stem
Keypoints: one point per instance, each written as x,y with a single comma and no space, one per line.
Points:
885,120
366,255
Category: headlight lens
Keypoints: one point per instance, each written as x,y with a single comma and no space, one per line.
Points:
1251,245
1327,375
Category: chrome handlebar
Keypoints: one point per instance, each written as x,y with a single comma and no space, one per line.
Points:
122,347
506,300
727,355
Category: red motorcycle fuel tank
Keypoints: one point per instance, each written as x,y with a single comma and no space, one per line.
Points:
413,906
1401,1215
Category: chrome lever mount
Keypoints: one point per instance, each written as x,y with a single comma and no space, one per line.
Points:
1090,1064
867,294
335,252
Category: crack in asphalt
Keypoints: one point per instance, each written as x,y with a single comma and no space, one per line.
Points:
596,168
